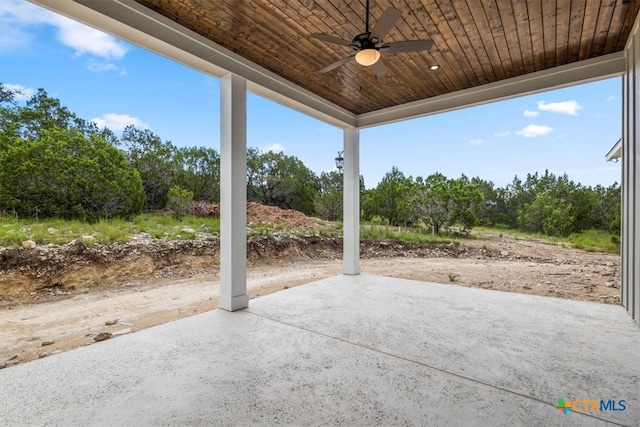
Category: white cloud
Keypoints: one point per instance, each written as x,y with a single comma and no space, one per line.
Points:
566,107
275,148
12,35
12,38
22,12
476,141
85,39
99,66
117,122
530,113
502,134
21,93
533,131
611,98
17,15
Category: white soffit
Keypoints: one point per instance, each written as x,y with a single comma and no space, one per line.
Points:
615,153
135,23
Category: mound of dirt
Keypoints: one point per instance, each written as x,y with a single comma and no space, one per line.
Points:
204,209
258,214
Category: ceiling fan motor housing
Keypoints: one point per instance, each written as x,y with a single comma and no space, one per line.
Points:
361,42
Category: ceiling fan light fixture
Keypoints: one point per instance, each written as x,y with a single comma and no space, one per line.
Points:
367,57
369,45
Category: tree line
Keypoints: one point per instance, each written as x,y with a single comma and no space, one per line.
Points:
543,203
56,164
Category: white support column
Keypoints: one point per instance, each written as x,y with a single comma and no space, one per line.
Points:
630,243
351,202
233,193
634,211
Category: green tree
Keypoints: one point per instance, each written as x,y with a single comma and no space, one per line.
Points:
7,95
43,112
54,164
616,224
494,207
603,207
279,180
199,172
328,202
466,201
611,209
389,199
156,162
547,214
179,201
66,174
559,205
430,202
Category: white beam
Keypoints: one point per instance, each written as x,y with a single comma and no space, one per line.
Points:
141,26
351,202
233,193
586,71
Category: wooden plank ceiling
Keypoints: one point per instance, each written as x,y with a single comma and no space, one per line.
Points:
475,41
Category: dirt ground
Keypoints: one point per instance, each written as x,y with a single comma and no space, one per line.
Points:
47,307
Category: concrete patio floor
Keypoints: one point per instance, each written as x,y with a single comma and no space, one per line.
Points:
349,350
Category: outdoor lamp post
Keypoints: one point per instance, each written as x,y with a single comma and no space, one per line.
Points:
340,161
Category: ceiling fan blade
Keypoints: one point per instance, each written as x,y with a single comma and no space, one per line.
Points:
385,23
379,69
330,39
336,64
408,46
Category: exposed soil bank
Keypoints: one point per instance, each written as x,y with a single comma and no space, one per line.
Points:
56,298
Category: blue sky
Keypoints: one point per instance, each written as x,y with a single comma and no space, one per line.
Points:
115,83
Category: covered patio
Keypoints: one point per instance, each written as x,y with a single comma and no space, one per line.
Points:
357,349
484,52
349,350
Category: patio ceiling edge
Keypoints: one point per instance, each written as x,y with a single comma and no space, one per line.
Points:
586,71
130,21
135,23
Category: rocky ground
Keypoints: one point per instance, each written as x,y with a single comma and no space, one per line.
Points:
56,298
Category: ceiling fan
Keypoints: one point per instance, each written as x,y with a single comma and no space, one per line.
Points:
369,45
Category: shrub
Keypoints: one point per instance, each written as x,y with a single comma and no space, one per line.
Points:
179,201
67,174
